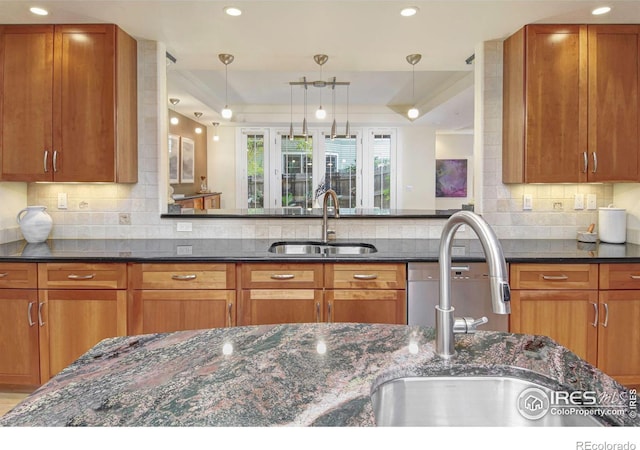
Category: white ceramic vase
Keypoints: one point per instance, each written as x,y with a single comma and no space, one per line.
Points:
35,224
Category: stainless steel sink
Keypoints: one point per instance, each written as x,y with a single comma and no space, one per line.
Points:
467,401
319,248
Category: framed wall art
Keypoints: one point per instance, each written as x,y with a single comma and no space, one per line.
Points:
451,178
174,158
187,160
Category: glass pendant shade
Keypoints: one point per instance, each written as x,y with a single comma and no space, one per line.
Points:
321,114
413,113
226,113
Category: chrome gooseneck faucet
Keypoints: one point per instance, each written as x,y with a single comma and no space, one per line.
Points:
446,324
325,229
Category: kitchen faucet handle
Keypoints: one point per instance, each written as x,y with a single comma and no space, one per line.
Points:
467,325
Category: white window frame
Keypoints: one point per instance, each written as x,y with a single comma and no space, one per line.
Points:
368,172
242,179
360,190
276,162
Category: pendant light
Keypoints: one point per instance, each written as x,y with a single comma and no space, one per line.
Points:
321,114
174,119
334,131
216,138
305,130
347,129
226,59
291,123
197,115
413,59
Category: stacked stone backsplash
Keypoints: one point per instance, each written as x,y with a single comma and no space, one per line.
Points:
94,209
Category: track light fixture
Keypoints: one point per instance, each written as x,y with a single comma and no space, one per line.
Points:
226,59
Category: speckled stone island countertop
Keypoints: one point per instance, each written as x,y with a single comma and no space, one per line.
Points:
279,375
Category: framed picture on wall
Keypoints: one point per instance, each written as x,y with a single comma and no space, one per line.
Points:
451,177
174,159
187,160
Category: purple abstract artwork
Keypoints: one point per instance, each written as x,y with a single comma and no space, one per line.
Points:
451,177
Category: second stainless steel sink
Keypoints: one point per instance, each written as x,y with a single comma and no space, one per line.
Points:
468,401
321,249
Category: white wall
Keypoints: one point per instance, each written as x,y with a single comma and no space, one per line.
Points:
221,165
456,146
416,167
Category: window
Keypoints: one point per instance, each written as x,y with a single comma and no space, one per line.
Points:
296,181
253,161
341,170
382,171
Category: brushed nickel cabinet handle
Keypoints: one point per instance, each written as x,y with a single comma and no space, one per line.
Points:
555,277
606,315
40,322
635,277
586,162
44,161
282,276
31,322
317,311
365,276
55,160
595,162
81,277
595,320
229,308
191,276
329,315
4,274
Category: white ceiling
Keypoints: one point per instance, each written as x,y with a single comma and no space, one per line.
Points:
367,41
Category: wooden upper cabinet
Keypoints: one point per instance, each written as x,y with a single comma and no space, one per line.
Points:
571,105
614,102
69,103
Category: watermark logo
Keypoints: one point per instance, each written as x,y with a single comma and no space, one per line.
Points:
533,403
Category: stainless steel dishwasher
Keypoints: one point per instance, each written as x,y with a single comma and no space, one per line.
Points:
470,293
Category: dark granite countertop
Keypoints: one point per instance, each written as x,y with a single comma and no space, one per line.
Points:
238,250
280,375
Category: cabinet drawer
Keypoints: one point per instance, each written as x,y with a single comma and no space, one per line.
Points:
619,276
182,276
365,276
82,276
554,276
287,276
18,276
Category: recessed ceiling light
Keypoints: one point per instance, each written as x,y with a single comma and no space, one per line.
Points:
409,11
601,10
39,11
232,11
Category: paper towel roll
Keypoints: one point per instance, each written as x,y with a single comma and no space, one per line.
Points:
612,225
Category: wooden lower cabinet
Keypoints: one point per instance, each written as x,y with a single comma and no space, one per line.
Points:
316,292
19,331
273,306
567,317
73,321
164,311
366,306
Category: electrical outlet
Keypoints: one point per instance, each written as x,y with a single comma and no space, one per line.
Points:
557,206
591,201
527,202
62,200
183,226
124,219
578,202
184,250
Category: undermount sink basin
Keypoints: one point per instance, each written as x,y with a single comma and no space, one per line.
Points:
319,248
468,401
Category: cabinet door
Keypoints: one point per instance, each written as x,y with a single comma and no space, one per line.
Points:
614,102
545,110
619,335
26,103
568,317
76,320
366,306
273,306
19,363
84,96
171,310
